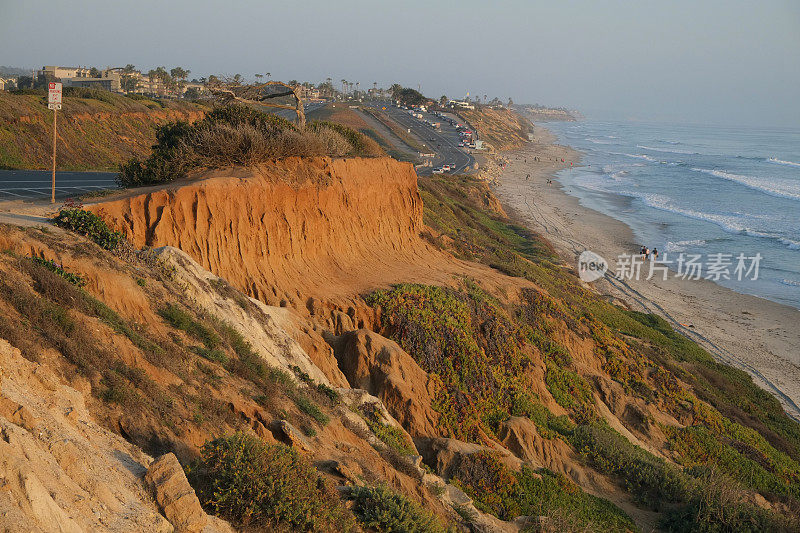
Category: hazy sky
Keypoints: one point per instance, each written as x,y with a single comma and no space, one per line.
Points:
717,61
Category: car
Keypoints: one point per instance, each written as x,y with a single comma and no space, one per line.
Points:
438,170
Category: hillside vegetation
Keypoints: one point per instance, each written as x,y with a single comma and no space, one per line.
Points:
97,130
338,345
238,135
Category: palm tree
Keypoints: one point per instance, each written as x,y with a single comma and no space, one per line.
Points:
258,77
268,75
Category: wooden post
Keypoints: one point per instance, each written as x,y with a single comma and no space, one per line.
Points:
53,192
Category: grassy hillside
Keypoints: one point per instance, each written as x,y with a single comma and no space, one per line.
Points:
541,399
97,130
733,455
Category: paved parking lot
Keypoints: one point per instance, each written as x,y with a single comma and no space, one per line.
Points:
35,184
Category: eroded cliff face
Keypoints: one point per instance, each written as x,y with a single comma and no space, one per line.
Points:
291,229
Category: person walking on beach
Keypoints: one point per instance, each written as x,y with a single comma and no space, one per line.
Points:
647,253
643,251
655,254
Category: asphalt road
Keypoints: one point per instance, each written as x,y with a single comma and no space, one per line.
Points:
35,184
443,143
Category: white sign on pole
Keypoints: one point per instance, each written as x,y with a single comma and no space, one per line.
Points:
54,106
54,94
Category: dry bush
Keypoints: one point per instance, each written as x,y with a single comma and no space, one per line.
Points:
370,147
294,144
334,142
225,144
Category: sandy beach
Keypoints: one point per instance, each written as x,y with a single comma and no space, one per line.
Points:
751,333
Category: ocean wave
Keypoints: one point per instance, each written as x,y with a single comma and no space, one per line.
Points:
729,223
792,245
783,162
790,282
680,246
598,141
636,156
780,189
665,150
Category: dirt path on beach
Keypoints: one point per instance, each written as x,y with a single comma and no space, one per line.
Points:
756,335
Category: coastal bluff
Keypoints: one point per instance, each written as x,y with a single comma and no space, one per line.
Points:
287,228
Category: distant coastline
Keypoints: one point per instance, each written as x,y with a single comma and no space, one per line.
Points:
749,332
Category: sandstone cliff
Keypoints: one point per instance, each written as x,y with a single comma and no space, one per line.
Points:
291,229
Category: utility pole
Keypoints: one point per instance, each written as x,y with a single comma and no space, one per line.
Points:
54,103
53,188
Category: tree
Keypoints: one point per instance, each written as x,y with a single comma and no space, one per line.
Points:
179,73
407,96
258,77
128,83
395,89
94,73
443,101
178,77
127,80
510,102
192,93
25,82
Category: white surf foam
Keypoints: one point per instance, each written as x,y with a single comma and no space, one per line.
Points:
680,246
666,150
783,162
772,187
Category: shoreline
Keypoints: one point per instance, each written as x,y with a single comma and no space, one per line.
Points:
745,331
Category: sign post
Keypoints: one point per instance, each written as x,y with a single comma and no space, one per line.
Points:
54,103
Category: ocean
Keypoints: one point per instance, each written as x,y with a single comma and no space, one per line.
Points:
698,190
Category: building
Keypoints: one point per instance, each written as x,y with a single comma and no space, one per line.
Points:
59,73
461,104
308,93
2,84
109,80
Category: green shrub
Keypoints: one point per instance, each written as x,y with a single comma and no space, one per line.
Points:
650,479
464,338
506,494
265,486
393,437
309,407
90,225
381,509
213,354
570,390
51,265
331,393
88,92
180,319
